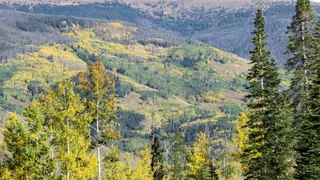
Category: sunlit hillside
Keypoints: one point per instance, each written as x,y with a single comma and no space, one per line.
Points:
160,79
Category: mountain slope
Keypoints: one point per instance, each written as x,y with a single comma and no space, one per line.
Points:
226,28
160,77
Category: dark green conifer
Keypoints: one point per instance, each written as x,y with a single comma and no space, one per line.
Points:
267,153
157,160
305,55
308,139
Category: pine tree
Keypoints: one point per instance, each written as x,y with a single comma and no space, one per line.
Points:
27,143
304,58
95,85
300,45
157,160
69,126
178,157
264,154
308,146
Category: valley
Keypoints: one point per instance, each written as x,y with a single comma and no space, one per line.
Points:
159,77
159,89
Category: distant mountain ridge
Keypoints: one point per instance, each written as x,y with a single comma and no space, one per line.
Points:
225,24
148,3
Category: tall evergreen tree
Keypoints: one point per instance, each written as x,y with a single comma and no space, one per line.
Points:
304,53
265,154
299,47
308,139
157,160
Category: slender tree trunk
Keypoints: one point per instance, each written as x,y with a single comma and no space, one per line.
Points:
98,139
68,149
99,163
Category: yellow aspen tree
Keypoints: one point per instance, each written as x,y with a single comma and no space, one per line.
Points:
70,128
95,85
142,169
199,160
241,136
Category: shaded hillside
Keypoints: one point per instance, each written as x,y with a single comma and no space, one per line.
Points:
20,32
161,80
226,29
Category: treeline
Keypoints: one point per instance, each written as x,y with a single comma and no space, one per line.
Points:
278,136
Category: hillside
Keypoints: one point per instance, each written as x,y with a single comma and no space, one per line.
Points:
226,28
194,85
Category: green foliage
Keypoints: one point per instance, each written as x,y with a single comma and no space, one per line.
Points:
232,109
116,168
178,157
190,56
157,162
27,143
308,144
267,152
303,49
143,168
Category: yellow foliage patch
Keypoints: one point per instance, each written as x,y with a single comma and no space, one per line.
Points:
49,65
116,25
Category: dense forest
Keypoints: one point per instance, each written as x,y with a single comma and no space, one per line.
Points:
114,100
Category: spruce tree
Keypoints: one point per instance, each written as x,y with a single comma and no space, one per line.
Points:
299,47
308,146
303,50
265,153
157,159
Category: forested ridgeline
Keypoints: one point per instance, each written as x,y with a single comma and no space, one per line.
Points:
226,29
